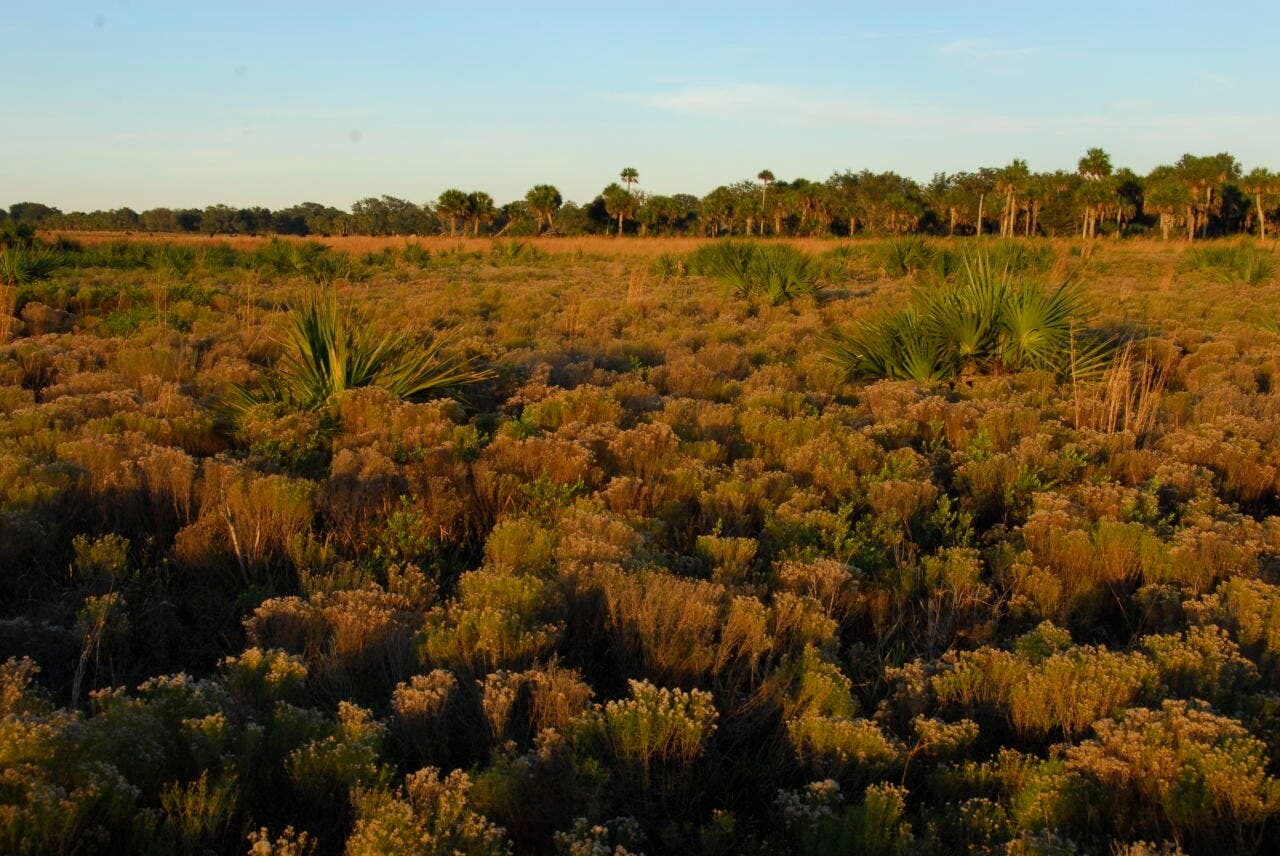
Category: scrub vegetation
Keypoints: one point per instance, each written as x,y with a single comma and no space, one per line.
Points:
587,546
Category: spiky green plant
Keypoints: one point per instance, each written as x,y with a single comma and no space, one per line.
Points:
986,322
727,261
328,351
905,256
310,259
781,273
667,266
775,272
23,264
1244,263
900,347
1020,256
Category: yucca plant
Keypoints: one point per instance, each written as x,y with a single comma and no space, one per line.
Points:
986,322
328,351
20,265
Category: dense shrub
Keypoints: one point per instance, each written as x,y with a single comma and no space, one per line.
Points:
666,582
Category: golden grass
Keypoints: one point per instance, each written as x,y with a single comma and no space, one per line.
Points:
600,245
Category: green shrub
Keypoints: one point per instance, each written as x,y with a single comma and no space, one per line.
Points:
23,265
1244,263
329,352
816,820
777,273
905,256
655,729
1181,769
429,815
987,323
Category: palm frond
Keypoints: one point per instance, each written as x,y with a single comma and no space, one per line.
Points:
985,321
21,264
328,351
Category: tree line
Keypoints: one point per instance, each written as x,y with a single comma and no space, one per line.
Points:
1198,196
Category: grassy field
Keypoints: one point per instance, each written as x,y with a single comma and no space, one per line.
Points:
666,577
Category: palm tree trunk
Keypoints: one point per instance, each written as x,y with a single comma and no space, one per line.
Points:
1262,217
1191,222
982,197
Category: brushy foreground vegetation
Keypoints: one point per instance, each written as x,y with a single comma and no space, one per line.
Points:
489,548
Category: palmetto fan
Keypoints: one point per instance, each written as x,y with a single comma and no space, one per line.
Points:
987,322
327,352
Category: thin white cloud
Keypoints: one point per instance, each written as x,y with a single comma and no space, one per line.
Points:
984,50
817,108
820,108
781,105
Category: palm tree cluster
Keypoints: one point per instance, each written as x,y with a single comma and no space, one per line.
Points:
1201,195
987,322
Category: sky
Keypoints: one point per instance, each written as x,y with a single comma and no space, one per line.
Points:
273,102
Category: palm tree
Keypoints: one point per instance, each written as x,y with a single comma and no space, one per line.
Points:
1096,164
618,203
480,210
453,205
1096,191
983,182
766,178
629,177
1166,194
544,201
1010,182
1264,185
1203,175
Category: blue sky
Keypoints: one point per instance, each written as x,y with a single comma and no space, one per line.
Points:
272,102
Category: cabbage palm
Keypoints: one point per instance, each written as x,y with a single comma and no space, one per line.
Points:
544,201
629,176
480,210
618,203
1264,186
453,205
765,177
1010,181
